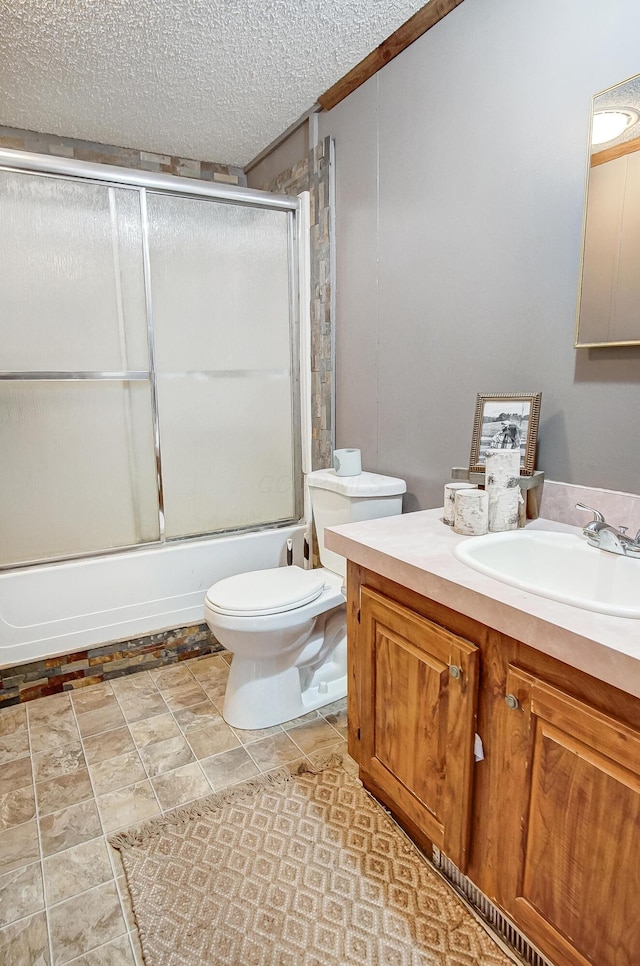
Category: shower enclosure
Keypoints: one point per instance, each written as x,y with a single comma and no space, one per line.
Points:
149,362
149,374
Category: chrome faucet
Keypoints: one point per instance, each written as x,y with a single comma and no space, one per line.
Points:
601,534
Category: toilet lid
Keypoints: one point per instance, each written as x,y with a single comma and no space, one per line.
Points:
263,592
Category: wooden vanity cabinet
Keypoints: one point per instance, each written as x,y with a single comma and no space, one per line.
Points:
547,826
572,780
418,692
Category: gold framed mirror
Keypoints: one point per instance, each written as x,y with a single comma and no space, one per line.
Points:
609,292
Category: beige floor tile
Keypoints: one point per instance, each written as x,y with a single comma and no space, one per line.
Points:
127,806
76,870
57,793
108,745
102,719
290,766
317,758
46,708
338,720
310,716
229,767
126,903
142,706
184,695
213,678
26,942
162,756
183,785
19,846
60,761
132,685
270,752
15,774
117,772
212,739
14,745
116,953
212,662
93,698
21,894
196,716
246,737
57,729
85,921
314,737
334,707
17,807
161,727
171,677
70,826
134,938
13,719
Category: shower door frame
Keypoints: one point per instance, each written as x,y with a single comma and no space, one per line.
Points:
142,181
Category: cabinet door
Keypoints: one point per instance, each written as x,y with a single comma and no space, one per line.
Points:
571,817
417,718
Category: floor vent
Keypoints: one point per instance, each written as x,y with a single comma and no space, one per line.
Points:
487,911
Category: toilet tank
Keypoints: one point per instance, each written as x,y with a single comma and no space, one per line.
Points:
349,499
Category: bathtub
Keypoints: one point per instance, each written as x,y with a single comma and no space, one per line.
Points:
60,608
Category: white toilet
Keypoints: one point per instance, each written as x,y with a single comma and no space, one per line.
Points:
287,627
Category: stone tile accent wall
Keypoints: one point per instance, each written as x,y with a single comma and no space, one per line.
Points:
70,671
64,147
312,174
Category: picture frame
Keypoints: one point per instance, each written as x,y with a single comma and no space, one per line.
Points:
506,421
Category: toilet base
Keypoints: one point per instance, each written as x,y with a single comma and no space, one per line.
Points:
273,696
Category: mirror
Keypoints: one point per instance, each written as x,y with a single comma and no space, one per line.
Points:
609,296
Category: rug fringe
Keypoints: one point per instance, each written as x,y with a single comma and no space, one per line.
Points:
138,835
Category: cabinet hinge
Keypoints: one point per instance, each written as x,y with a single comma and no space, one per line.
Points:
358,617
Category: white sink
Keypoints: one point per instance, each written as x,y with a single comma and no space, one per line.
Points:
561,566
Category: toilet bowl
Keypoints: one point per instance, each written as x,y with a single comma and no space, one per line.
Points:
286,627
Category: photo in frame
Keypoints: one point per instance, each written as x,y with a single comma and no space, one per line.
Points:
506,421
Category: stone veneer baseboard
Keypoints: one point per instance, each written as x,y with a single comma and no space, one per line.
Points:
24,682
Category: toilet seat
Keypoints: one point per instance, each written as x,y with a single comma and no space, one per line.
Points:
263,592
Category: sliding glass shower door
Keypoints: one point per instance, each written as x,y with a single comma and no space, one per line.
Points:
148,371
220,298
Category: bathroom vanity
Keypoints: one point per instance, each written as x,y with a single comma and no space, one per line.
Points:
547,824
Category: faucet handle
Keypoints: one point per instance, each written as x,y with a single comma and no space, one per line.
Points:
597,516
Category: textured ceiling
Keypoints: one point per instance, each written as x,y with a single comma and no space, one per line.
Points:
208,79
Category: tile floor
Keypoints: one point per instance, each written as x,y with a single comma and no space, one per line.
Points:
77,766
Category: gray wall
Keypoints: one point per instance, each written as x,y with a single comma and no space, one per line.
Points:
460,188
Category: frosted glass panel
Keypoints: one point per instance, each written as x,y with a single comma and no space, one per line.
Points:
219,284
71,276
77,468
227,451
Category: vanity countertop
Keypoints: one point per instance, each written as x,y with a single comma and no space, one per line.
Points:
416,551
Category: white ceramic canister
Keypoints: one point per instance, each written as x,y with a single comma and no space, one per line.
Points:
471,515
450,490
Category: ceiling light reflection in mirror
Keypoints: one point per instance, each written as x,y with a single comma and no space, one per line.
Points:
609,293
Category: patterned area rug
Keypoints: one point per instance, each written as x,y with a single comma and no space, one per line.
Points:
293,871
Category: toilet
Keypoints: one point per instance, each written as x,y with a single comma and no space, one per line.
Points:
287,627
